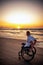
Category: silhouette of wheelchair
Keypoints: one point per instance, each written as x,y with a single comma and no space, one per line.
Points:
26,54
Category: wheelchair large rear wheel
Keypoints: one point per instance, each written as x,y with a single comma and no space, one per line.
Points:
27,56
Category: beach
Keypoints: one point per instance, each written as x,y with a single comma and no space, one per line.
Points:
18,17
9,53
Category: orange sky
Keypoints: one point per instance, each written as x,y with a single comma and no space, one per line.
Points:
21,14
4,24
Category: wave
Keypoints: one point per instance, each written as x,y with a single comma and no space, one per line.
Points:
36,34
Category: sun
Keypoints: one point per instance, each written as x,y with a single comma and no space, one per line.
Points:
18,27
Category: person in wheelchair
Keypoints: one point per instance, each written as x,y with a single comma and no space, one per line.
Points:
31,41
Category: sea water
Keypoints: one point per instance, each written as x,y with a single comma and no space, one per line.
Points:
21,34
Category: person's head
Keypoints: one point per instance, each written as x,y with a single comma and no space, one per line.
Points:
27,33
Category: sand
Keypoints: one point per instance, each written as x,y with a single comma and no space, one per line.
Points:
9,53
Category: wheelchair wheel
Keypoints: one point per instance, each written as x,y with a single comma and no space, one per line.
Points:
27,56
34,50
19,55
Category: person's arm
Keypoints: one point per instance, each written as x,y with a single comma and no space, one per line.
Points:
32,44
35,41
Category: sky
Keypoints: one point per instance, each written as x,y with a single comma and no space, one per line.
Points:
21,13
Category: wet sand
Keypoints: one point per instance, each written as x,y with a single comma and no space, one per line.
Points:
9,53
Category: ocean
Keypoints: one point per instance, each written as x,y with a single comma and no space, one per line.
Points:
21,34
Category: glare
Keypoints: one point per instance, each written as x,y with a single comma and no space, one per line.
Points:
18,27
20,18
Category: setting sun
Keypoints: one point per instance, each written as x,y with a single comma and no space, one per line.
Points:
18,27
